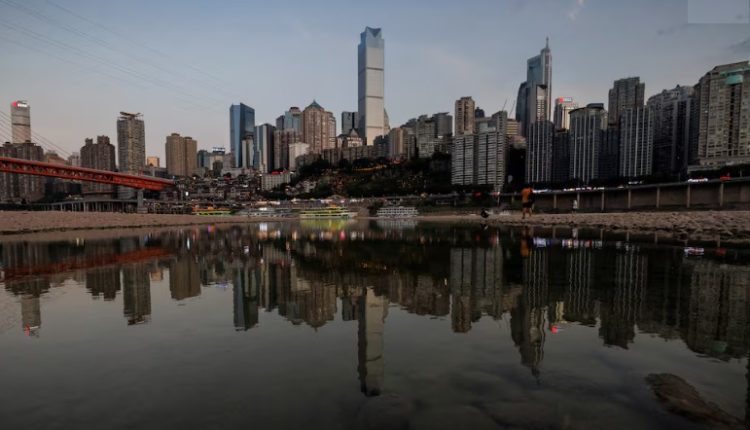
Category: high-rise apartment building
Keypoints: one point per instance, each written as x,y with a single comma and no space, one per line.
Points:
397,143
316,128
626,93
563,106
722,98
609,154
20,118
560,166
672,124
371,85
433,134
21,188
586,125
297,150
465,116
101,156
539,152
636,142
182,155
535,95
131,143
75,159
241,128
331,131
349,122
479,158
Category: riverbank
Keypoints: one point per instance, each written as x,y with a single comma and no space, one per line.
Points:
707,225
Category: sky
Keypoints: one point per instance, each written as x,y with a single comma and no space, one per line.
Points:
182,63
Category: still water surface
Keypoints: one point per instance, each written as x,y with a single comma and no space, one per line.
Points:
337,326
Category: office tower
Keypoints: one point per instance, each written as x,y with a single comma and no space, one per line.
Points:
281,141
297,150
291,120
203,158
636,142
672,122
263,156
20,119
609,154
136,293
371,85
586,125
153,161
535,95
539,152
560,156
131,143
101,156
316,128
478,113
349,121
563,106
465,115
433,134
627,93
75,159
722,98
241,128
182,155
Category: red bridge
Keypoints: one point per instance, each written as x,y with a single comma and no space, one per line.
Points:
38,168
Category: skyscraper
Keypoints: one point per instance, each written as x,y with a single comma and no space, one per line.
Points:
626,93
316,128
291,120
20,118
349,122
464,116
636,142
535,95
479,158
371,85
586,125
263,157
241,126
722,98
672,124
182,155
563,106
101,156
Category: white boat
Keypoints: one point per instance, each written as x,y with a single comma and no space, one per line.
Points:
397,212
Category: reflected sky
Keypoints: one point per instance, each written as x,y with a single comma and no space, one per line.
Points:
227,326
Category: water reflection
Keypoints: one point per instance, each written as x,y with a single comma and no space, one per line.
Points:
313,274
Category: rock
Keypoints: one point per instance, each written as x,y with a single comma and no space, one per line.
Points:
453,418
683,399
522,414
386,412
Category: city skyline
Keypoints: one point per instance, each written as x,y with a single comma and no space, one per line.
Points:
682,48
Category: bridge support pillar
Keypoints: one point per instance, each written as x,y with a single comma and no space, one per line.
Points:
721,195
630,198
601,205
140,209
687,197
658,197
554,202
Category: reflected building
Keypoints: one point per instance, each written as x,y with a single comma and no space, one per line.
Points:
246,298
136,288
370,342
184,278
103,282
528,318
31,314
621,307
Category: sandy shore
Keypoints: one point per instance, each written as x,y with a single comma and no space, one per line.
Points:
728,225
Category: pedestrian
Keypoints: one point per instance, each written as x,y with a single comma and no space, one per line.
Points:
527,200
575,205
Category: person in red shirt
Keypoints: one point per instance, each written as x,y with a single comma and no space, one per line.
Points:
527,200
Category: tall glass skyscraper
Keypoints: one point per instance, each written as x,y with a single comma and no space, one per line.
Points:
371,89
241,124
535,95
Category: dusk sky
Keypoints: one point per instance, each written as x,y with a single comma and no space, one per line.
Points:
182,63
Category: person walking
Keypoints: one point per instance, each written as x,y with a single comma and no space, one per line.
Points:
575,205
527,200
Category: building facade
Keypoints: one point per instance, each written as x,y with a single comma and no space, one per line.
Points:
479,158
626,93
182,155
636,142
131,143
349,121
539,152
464,116
371,85
298,149
586,125
101,156
722,98
672,124
316,128
21,188
263,156
241,128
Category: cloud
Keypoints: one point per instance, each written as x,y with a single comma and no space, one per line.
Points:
575,9
741,47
